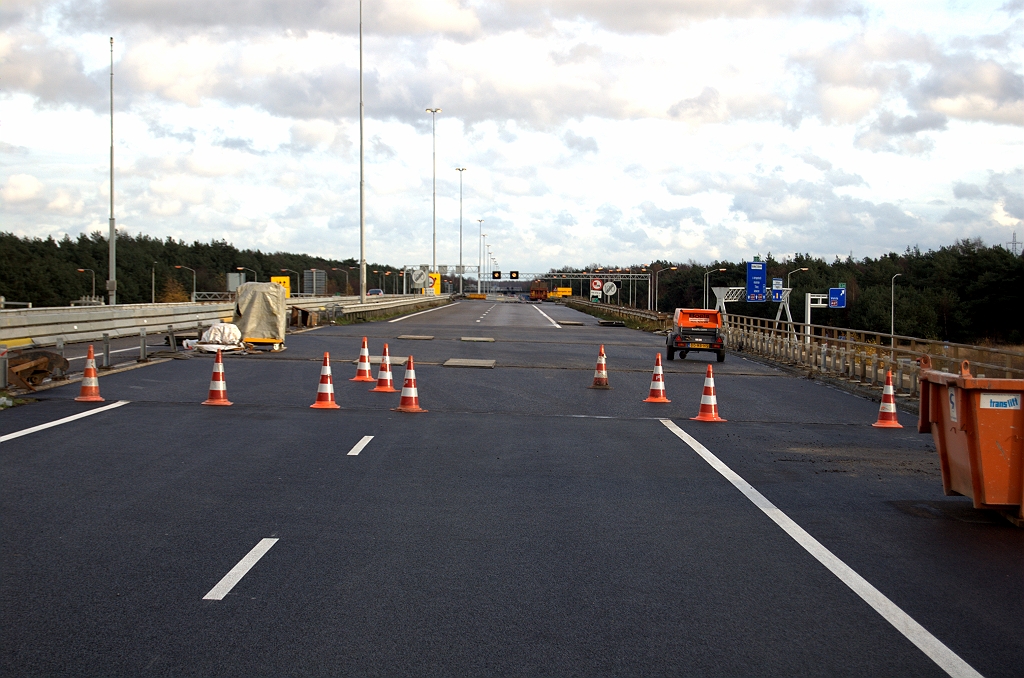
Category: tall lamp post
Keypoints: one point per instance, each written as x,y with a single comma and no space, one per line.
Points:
255,276
460,170
83,270
656,274
433,137
345,273
153,282
708,273
480,257
362,181
112,282
298,280
193,280
892,317
789,284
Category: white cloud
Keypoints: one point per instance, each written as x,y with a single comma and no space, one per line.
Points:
593,130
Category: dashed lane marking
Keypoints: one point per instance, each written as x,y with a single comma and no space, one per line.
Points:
358,447
58,422
550,319
948,661
225,585
429,310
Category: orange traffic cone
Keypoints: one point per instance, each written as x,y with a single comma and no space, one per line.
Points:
410,401
600,372
384,381
218,387
325,391
363,368
657,394
708,401
90,391
887,410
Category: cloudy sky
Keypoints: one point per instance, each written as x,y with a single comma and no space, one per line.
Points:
591,130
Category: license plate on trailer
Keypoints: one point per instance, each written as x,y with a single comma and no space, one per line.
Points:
700,346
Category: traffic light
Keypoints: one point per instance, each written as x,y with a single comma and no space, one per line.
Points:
496,275
514,275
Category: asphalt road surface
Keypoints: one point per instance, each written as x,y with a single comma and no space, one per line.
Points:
525,526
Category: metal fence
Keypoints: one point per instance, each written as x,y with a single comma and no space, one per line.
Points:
861,356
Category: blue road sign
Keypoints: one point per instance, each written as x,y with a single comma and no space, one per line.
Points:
757,281
777,289
837,297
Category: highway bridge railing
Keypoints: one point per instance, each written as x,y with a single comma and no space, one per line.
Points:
50,326
862,356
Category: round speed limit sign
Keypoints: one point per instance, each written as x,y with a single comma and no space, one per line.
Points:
596,285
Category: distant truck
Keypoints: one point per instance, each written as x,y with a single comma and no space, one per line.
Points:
695,329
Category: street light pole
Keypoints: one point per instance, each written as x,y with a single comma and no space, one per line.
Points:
362,180
153,282
433,136
345,273
708,273
892,316
255,276
480,257
83,270
112,274
193,280
298,280
460,170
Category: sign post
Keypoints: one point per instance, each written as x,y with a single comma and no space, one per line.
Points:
757,282
596,285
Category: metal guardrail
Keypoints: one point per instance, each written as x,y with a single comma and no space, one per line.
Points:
862,356
46,326
663,320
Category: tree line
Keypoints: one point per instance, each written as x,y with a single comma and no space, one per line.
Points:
965,292
45,272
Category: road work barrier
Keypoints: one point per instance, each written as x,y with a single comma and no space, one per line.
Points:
218,384
25,328
601,372
657,391
325,389
978,427
708,400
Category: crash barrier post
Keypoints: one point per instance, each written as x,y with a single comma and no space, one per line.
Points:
3,366
143,354
106,350
171,339
976,424
59,373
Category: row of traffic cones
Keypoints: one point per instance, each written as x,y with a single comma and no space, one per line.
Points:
409,402
709,400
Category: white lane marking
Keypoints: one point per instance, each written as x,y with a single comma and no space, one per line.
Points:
225,585
486,312
947,660
548,317
359,446
120,350
429,310
58,422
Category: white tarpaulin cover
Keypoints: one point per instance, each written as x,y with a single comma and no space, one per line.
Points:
260,312
222,333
